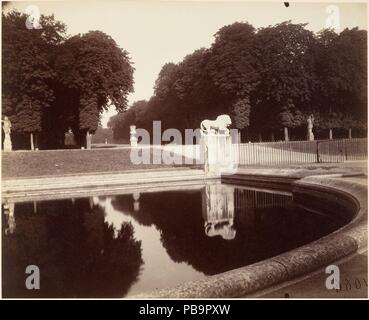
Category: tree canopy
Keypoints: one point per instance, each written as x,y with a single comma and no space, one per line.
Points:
53,81
268,80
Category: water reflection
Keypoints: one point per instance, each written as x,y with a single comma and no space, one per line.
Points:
218,211
114,246
78,253
136,203
9,213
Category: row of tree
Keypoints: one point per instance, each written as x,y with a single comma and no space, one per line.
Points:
269,80
52,82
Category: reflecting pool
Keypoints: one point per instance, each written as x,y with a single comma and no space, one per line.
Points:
122,245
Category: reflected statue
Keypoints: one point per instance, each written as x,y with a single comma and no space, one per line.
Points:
9,212
218,211
136,203
91,202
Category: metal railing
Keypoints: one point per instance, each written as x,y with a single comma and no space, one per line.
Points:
252,199
295,152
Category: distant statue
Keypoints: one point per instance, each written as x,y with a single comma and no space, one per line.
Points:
7,125
221,124
69,139
133,138
310,124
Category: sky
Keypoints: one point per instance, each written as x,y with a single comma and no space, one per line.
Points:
156,32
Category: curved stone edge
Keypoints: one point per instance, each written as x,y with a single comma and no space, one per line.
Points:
244,281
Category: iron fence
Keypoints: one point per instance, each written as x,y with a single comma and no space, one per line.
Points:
295,152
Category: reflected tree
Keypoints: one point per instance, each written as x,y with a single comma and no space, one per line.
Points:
78,253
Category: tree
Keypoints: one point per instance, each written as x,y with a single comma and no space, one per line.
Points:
26,72
341,91
269,80
241,113
194,90
102,75
286,75
232,64
164,83
52,82
134,115
77,251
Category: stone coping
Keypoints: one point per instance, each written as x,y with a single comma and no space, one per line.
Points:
252,280
46,185
52,186
97,173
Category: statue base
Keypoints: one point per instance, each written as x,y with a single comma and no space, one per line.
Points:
133,142
219,153
7,143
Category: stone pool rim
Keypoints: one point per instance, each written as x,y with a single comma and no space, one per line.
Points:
254,279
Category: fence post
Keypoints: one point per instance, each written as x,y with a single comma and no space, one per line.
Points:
345,150
317,151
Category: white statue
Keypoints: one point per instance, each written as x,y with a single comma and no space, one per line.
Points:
133,138
7,128
310,123
216,126
216,145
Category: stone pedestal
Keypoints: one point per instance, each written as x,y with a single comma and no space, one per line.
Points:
7,143
220,155
310,136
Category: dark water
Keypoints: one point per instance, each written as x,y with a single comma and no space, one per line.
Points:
121,245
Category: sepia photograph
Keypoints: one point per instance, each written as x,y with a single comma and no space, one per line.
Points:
184,150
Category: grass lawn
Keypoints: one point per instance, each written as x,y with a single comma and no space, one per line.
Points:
22,164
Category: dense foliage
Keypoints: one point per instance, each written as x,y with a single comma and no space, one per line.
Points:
52,82
268,80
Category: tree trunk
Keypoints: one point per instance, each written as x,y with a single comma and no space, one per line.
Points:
32,144
350,133
272,136
330,134
286,138
36,141
260,137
